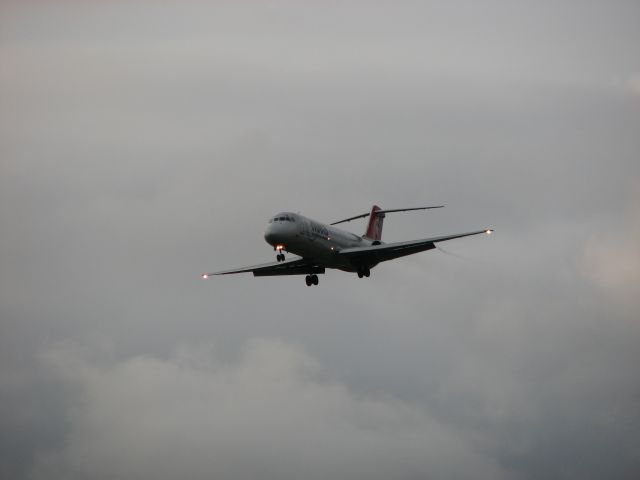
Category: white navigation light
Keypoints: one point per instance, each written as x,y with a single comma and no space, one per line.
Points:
205,276
488,232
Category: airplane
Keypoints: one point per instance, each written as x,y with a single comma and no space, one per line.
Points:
320,246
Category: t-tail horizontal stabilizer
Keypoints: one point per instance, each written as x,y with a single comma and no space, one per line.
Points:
382,212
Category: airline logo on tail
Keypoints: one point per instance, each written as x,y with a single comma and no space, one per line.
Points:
374,229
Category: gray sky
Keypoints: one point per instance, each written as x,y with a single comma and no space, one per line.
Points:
142,143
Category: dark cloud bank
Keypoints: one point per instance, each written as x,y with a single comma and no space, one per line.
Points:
142,144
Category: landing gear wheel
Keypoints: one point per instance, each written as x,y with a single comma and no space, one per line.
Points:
314,279
364,272
308,280
280,257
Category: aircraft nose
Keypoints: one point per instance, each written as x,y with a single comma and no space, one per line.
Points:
277,233
269,237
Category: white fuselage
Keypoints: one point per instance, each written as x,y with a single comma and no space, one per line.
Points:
311,239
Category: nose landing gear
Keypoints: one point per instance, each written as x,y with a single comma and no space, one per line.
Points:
280,255
311,280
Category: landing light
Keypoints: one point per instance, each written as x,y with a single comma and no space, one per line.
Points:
279,247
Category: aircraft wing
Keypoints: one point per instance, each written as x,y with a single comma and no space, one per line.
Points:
299,266
389,251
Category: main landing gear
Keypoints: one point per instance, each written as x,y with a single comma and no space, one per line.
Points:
311,280
364,272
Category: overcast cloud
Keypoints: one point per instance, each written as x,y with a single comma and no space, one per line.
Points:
142,143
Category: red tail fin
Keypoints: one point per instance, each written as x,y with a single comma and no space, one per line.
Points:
374,229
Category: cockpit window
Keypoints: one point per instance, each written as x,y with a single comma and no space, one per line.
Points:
284,218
